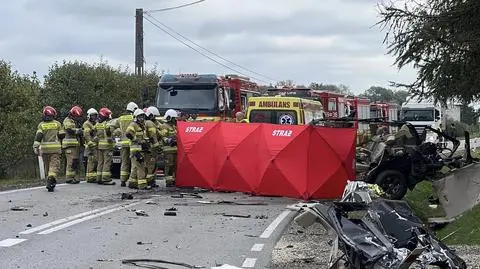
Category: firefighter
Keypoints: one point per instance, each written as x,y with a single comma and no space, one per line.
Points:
71,143
91,144
103,132
169,134
152,126
48,145
120,124
138,146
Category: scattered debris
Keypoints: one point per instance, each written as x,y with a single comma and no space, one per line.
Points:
181,204
170,213
9,201
226,266
45,214
233,202
184,194
177,196
171,209
127,196
289,246
135,261
143,243
150,203
104,260
29,225
19,208
236,215
250,235
141,213
261,217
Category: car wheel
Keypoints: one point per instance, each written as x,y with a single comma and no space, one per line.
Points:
393,183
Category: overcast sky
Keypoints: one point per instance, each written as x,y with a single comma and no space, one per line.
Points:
328,41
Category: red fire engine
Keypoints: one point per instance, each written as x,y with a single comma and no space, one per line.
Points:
205,96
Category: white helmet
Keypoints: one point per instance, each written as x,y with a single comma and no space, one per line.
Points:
132,107
90,112
152,111
138,112
172,113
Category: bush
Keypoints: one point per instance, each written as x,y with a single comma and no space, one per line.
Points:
20,111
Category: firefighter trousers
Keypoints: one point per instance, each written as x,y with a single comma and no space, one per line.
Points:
91,174
52,164
125,165
151,161
72,162
104,157
138,175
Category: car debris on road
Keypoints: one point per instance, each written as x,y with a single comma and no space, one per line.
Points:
374,232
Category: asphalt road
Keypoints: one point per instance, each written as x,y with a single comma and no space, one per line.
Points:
90,226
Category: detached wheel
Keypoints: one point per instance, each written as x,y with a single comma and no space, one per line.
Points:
393,183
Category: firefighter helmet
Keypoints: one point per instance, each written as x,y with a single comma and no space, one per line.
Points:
91,112
132,107
171,113
105,113
49,111
152,111
76,111
138,112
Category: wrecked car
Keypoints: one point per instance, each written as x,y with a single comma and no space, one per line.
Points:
377,233
399,162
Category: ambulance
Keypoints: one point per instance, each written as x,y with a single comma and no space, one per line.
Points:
283,110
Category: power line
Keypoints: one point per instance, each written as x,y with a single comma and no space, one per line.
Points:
208,50
203,54
176,7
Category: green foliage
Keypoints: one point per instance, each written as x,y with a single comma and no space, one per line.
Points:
94,85
19,109
381,94
65,85
343,89
417,199
440,39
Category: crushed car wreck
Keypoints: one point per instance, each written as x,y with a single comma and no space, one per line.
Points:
372,232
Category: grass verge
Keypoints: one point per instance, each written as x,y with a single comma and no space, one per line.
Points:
464,231
9,184
418,201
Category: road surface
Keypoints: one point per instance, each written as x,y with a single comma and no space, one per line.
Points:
90,226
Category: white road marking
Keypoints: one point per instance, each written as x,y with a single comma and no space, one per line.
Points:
32,188
249,263
60,221
271,228
71,223
257,247
11,242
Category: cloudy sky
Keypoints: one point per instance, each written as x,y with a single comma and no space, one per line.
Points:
328,41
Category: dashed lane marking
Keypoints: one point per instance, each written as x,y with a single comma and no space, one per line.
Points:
11,242
271,228
71,223
249,263
257,247
60,221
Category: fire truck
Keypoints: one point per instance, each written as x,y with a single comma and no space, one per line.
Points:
386,111
206,97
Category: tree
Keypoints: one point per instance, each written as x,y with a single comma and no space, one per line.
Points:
286,83
330,87
20,112
379,94
94,85
441,39
400,96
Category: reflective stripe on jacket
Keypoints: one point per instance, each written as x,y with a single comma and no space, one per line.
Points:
138,133
101,133
50,142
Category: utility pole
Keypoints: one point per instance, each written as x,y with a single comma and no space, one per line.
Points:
139,60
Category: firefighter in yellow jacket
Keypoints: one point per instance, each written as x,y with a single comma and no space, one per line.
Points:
138,147
103,132
91,144
120,125
153,133
48,145
71,143
169,134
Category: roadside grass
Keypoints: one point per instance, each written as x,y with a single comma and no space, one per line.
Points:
8,184
463,231
418,200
